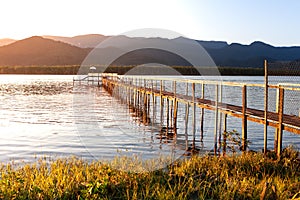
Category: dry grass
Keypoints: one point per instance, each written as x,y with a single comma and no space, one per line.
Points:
246,176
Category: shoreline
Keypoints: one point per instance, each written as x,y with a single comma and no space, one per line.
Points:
182,70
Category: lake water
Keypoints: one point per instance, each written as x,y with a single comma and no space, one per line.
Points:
43,115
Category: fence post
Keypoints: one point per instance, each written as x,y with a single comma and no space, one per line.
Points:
187,108
202,114
216,120
161,106
244,119
175,109
225,135
194,114
280,120
266,108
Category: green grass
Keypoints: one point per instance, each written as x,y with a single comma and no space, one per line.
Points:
245,176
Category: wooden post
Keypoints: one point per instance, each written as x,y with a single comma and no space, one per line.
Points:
151,86
187,108
175,109
138,99
135,94
167,113
134,98
194,115
202,115
244,119
220,120
186,125
153,109
225,135
280,120
266,109
175,116
277,111
171,112
216,120
145,110
174,89
148,108
161,105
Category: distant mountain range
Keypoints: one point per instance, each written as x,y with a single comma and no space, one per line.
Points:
56,50
6,41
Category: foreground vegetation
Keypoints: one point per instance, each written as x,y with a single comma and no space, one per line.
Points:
246,176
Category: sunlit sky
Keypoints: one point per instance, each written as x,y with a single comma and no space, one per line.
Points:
275,22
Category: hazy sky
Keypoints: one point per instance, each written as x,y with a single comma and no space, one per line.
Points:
273,21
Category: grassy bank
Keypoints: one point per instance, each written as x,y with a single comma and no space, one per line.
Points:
248,176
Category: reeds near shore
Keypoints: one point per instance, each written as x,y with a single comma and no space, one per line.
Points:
246,176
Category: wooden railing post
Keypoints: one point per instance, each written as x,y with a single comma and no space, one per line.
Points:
175,109
225,135
187,108
220,119
277,111
216,119
202,114
161,105
280,120
194,114
244,119
266,108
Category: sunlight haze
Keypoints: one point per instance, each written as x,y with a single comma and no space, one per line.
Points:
273,22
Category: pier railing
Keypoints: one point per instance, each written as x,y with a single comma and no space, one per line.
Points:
140,92
90,79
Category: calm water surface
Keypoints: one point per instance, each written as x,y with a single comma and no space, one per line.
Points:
46,116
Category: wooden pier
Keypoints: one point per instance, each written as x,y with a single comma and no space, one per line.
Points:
89,79
141,92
